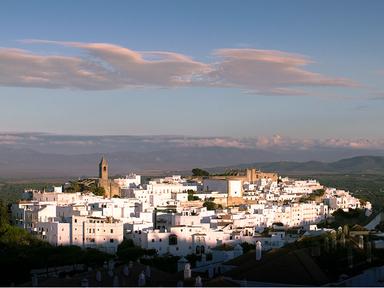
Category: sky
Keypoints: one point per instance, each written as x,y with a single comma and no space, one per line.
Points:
300,69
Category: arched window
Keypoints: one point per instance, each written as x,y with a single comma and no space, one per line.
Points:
198,250
172,239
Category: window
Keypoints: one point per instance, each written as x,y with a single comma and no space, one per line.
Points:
172,240
75,220
111,240
153,240
111,230
160,240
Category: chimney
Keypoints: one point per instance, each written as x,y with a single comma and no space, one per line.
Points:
98,276
258,250
198,282
361,242
141,280
187,271
126,270
84,282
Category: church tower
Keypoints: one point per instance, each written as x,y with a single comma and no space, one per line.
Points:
111,188
103,169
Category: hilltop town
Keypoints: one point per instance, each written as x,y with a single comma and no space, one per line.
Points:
213,218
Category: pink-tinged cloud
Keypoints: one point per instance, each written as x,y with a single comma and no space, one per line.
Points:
21,68
106,66
269,72
224,142
126,67
154,68
277,142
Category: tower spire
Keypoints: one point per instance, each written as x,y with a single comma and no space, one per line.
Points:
103,169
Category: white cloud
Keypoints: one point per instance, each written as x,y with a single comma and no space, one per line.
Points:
209,142
275,142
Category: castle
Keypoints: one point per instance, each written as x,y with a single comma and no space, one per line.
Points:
111,188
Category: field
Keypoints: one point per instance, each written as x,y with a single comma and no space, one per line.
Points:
12,190
365,186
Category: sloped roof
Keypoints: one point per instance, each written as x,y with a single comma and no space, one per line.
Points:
284,266
221,282
158,278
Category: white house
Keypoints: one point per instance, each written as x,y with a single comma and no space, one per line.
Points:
104,234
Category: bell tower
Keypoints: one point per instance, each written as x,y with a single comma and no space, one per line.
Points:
103,169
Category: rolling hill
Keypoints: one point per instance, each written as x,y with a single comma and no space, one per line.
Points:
354,165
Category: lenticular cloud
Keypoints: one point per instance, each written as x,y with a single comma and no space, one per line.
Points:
103,66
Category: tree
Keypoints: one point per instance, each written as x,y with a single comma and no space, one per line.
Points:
22,251
191,196
319,192
127,251
247,247
98,191
352,213
380,226
3,216
74,187
199,172
210,205
167,263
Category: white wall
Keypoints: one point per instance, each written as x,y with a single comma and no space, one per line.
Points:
54,232
235,188
97,233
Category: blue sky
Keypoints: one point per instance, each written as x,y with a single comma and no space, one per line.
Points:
315,69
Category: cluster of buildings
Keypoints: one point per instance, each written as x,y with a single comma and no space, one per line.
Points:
162,215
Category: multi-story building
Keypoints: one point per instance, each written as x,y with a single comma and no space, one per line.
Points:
103,233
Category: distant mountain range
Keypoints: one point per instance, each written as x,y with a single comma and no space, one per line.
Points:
17,163
354,165
39,155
